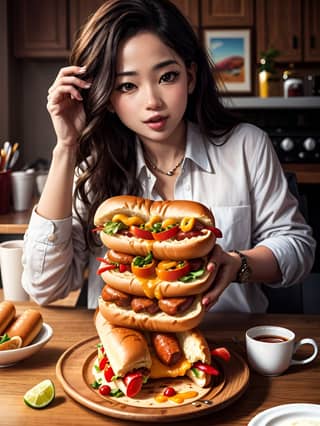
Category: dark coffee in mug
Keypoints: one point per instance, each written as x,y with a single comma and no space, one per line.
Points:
268,338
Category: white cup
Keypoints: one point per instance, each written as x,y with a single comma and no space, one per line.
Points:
270,349
11,270
22,184
41,179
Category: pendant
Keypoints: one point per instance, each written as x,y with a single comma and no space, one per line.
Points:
169,173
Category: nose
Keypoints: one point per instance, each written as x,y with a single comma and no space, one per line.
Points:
153,98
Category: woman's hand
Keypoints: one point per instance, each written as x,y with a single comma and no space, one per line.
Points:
224,267
65,105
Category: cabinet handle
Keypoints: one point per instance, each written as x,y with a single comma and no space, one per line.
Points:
295,42
312,42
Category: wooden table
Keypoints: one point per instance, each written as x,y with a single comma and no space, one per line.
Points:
14,222
72,325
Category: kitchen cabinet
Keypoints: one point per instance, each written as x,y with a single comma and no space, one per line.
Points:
40,28
227,13
190,9
47,29
312,30
291,26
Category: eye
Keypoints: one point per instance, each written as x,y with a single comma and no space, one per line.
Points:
169,77
125,87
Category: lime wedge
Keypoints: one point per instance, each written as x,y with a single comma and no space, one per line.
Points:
40,395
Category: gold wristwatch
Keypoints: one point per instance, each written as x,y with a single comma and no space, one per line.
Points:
244,273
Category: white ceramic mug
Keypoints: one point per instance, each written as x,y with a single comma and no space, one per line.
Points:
270,349
11,270
23,184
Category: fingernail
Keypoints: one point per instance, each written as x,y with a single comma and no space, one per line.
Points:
205,301
83,69
87,85
210,267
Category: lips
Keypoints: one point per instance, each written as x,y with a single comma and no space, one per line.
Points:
157,122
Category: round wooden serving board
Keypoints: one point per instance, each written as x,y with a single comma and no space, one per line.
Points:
74,371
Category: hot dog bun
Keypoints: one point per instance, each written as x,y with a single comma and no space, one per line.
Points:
160,321
126,349
174,249
196,347
27,326
7,314
129,283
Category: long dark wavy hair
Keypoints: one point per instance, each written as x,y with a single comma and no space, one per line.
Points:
106,156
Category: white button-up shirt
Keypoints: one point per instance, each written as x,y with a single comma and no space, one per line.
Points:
241,181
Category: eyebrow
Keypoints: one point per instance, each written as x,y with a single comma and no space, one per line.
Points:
155,67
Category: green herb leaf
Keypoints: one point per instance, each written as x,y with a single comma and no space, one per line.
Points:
142,261
4,338
193,275
116,393
112,228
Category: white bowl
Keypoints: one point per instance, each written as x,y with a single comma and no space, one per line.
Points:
10,357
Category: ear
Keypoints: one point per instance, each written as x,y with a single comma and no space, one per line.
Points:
192,77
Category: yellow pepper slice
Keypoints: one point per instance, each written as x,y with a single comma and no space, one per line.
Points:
187,224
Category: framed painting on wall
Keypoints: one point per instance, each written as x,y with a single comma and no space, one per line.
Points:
230,50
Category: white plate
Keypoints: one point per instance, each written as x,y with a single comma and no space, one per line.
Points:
10,357
288,415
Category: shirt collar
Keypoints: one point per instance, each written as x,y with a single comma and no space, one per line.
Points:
196,150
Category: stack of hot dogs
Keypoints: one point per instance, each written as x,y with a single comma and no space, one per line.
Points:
155,274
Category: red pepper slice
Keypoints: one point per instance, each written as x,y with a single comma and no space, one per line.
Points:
133,382
141,233
171,271
97,229
103,363
104,390
108,374
123,267
206,368
106,268
165,235
215,231
221,353
103,260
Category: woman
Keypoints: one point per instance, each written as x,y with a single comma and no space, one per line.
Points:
137,112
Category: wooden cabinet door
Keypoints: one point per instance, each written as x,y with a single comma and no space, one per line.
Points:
227,13
190,9
40,28
80,10
311,30
279,26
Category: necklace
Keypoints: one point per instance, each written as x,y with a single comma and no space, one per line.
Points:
169,172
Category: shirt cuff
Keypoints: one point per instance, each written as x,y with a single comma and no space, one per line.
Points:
50,232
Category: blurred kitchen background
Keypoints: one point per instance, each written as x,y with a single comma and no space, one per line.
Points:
272,81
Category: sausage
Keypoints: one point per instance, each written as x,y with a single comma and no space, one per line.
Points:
121,299
115,256
167,348
175,305
7,314
27,326
144,304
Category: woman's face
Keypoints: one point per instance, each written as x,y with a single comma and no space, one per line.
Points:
152,86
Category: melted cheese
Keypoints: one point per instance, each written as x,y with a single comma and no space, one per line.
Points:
127,220
150,287
159,370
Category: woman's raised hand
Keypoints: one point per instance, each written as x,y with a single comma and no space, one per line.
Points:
65,105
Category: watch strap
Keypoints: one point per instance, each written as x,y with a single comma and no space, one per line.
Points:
244,272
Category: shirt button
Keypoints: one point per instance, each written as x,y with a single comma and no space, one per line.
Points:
51,237
188,187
